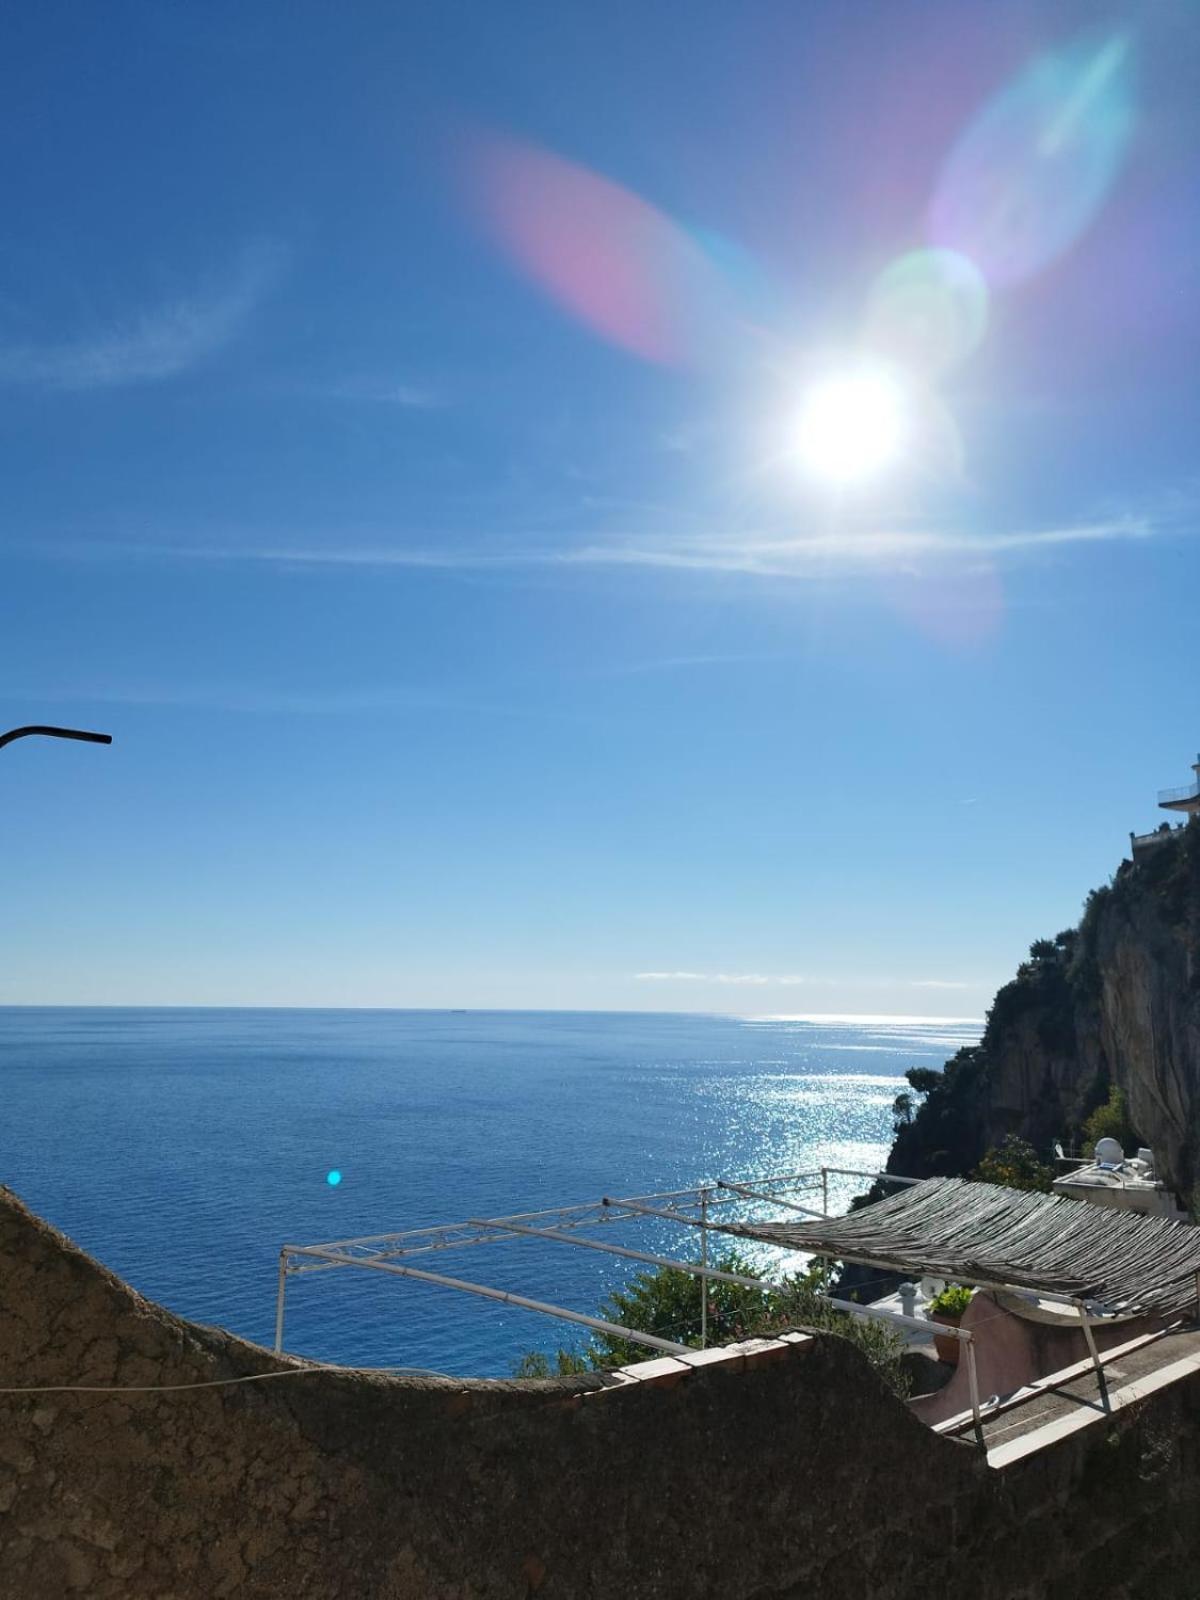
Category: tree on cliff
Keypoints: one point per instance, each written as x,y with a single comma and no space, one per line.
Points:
1014,1163
1110,1120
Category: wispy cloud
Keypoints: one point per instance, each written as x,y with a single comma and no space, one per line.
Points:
789,980
382,391
710,977
873,552
734,658
152,344
807,557
234,697
253,699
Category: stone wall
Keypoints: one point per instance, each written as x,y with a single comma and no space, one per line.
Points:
782,1470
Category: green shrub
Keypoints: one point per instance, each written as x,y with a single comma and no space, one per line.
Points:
952,1302
1110,1120
565,1364
1015,1163
667,1303
800,1301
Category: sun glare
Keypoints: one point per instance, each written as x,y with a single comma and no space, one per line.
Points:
851,426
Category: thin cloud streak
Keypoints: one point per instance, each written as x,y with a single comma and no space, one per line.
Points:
152,345
817,557
632,669
220,697
710,977
789,980
381,392
257,701
824,555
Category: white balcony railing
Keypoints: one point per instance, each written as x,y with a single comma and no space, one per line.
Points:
1190,791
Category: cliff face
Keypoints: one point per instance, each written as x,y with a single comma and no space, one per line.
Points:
1113,1002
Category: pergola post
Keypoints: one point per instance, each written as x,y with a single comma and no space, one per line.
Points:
1086,1324
279,1302
973,1382
703,1263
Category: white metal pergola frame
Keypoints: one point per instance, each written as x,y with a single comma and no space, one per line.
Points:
389,1252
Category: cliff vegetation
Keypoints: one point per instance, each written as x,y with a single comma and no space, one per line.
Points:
1099,1032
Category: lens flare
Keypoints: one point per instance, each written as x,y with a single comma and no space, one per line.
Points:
605,255
333,1177
928,311
961,610
852,425
1032,171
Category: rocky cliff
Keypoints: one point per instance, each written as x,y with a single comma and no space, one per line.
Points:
1112,1002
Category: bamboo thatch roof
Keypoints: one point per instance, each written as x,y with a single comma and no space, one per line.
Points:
983,1233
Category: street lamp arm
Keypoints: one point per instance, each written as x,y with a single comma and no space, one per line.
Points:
55,733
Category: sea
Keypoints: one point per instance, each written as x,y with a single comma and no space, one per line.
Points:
183,1148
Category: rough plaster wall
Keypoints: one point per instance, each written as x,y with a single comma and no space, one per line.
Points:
798,1478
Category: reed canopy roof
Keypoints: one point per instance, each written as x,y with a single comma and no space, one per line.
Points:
986,1234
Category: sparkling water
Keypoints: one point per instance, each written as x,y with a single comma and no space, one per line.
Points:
184,1147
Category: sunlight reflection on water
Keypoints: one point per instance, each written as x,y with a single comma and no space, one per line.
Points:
116,1121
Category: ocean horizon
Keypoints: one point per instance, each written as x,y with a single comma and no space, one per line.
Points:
183,1146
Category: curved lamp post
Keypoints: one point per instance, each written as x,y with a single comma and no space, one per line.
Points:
55,733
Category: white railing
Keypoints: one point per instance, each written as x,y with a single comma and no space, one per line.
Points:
1190,791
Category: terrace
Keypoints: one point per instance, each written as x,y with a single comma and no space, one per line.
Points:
1186,798
1076,1307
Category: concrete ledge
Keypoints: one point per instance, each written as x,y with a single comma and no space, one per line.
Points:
799,1342
962,1420
718,1356
747,1354
665,1372
762,1352
1004,1455
614,1383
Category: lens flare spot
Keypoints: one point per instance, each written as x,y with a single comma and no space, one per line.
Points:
852,425
611,259
1033,169
962,610
928,311
333,1177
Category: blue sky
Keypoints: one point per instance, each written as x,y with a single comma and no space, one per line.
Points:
398,415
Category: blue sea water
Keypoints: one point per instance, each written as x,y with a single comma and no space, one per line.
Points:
184,1147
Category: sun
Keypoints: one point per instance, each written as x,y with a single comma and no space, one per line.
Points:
852,425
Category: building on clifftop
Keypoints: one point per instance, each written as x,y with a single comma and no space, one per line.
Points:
1186,800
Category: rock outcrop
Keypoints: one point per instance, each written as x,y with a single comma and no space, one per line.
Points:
1113,1002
